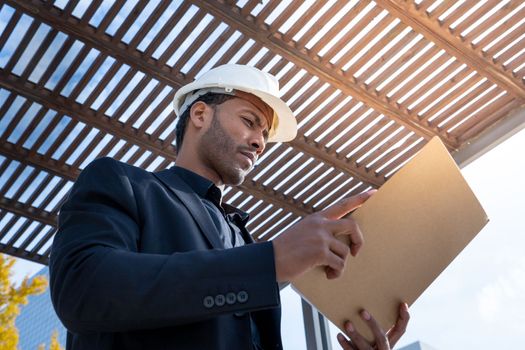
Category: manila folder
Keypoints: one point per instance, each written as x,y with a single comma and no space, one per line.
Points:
413,227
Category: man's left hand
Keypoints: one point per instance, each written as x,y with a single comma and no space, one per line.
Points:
383,340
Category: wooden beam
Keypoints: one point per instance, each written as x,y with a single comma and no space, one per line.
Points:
29,212
38,161
310,62
432,30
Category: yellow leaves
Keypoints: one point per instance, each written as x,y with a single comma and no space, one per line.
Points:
55,345
11,297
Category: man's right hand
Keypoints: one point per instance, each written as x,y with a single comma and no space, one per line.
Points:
312,241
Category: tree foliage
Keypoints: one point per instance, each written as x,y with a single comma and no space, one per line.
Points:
55,345
11,298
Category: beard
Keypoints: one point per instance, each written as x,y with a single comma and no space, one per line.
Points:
219,151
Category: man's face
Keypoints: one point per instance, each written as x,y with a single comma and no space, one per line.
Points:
234,140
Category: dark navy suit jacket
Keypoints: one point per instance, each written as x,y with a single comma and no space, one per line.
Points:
137,264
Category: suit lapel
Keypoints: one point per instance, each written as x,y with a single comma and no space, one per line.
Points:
194,205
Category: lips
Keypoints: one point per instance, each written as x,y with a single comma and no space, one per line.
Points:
250,156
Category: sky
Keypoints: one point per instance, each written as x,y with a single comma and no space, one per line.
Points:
478,302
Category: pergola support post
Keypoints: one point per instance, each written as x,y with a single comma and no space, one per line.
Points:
316,328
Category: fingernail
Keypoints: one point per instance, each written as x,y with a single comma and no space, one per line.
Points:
340,337
350,327
366,315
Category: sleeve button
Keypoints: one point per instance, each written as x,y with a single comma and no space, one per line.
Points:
220,300
209,302
231,298
242,297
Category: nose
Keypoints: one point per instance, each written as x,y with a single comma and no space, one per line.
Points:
258,143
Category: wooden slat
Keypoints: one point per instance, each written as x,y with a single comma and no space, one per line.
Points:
60,139
493,19
148,24
285,15
22,45
217,44
64,49
488,112
388,37
82,83
303,20
339,26
90,11
507,24
396,65
459,89
14,122
25,184
110,15
476,15
453,66
6,186
508,54
185,31
71,69
458,12
128,22
44,45
462,102
8,30
470,109
196,44
368,37
31,127
484,124
453,45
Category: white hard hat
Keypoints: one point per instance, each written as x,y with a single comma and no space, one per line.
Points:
230,77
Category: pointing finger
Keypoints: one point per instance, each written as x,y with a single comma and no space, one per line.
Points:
345,206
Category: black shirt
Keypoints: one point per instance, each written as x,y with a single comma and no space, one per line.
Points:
229,221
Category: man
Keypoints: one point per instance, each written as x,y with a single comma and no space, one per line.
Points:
157,261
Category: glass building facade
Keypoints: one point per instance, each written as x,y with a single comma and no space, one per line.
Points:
37,321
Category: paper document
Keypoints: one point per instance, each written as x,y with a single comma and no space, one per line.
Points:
413,228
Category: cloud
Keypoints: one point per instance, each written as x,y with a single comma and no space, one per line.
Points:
504,299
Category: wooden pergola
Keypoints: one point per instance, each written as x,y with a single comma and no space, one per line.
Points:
369,82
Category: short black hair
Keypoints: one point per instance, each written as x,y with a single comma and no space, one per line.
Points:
211,99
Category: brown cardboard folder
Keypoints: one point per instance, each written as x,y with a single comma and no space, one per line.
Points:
413,227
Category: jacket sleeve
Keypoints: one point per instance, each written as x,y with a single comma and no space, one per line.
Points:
100,282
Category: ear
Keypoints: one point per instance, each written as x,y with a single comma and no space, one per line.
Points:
200,114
